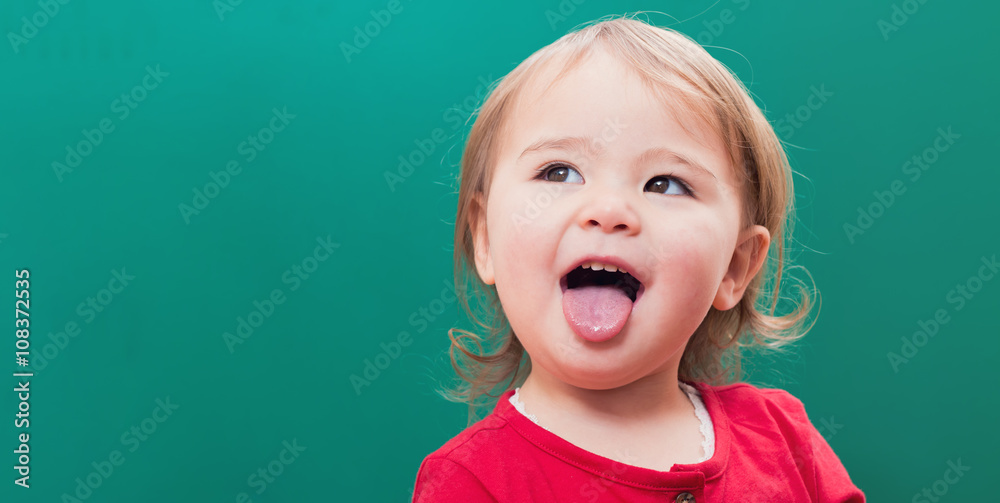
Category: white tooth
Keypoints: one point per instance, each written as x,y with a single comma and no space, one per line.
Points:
585,265
597,266
611,268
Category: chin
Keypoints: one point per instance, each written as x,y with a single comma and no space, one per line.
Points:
593,383
598,376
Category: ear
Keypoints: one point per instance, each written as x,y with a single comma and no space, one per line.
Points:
480,239
748,258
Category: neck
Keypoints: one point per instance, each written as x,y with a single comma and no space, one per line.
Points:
645,401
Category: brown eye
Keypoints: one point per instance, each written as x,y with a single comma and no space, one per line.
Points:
559,173
662,184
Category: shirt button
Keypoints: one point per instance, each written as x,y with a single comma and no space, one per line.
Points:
685,498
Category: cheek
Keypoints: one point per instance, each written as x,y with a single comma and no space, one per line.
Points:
523,241
691,258
525,224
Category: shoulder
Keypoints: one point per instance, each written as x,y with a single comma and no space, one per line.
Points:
769,425
755,413
744,401
471,442
771,422
456,470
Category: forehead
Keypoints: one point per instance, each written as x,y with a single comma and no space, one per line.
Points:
586,97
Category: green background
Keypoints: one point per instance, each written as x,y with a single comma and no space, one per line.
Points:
323,176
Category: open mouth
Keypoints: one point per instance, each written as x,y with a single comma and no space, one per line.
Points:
598,298
598,302
624,281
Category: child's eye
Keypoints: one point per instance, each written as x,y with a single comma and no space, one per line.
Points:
559,173
662,183
563,173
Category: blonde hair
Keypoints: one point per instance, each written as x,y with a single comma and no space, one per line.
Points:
665,61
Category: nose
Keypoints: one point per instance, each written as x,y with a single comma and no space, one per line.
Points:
609,211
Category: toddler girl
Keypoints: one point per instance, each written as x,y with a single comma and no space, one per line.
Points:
619,195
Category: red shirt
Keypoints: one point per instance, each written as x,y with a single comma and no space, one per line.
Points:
765,450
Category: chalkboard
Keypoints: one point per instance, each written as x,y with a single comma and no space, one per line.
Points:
234,223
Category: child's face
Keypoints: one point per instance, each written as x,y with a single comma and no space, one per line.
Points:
616,204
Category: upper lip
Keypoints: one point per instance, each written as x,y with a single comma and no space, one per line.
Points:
620,263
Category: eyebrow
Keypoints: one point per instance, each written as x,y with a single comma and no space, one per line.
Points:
588,145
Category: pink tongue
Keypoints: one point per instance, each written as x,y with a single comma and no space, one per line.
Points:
596,313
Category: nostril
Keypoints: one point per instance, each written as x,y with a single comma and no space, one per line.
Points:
617,227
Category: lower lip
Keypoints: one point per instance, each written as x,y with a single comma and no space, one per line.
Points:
638,296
